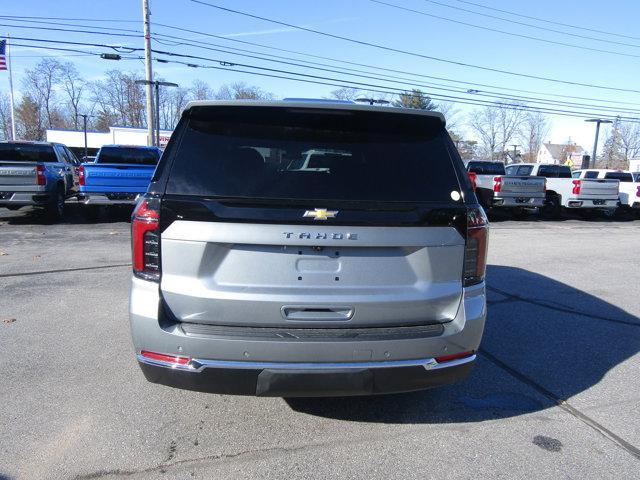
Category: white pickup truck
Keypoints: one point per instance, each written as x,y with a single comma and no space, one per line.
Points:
586,195
495,189
629,187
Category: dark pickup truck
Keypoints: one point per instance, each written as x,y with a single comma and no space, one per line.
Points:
118,175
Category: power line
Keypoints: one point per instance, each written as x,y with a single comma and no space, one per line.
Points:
70,19
548,21
411,82
516,22
504,32
84,52
71,30
413,54
404,82
326,58
346,62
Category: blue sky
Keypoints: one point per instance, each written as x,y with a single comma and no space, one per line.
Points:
371,22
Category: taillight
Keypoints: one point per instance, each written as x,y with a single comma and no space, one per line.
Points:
577,185
40,177
81,177
638,192
145,238
475,253
497,184
473,177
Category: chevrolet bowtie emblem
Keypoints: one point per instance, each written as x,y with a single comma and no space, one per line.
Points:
320,214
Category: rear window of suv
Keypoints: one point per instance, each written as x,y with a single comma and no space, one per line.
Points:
312,154
24,152
128,155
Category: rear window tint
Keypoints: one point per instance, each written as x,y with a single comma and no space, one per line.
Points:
486,168
311,154
591,174
554,171
24,152
128,155
622,176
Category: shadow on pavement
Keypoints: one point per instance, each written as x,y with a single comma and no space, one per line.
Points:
74,215
559,337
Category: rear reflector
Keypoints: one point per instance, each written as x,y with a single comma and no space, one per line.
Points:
455,356
165,358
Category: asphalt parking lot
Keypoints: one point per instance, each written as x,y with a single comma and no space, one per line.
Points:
553,395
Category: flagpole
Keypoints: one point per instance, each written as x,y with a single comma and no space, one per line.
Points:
11,98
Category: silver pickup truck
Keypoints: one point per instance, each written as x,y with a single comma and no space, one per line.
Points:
496,189
37,174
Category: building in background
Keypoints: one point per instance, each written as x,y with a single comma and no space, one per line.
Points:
561,153
634,164
116,135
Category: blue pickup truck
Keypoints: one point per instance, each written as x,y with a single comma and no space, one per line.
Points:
118,175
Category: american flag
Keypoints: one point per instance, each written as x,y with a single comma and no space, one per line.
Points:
3,58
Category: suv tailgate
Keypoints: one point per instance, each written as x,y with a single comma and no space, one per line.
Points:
267,275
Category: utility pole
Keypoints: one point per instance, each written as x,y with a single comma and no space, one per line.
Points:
597,121
84,124
148,70
156,85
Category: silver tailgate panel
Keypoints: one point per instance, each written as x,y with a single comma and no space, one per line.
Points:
311,275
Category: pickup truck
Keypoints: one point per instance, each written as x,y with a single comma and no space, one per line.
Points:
118,175
495,189
37,174
563,191
629,186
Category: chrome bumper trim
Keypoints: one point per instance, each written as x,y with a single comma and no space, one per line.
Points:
197,365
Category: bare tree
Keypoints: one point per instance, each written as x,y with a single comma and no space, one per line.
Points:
534,128
201,90
172,102
5,116
29,119
345,93
74,88
629,140
451,115
120,98
242,91
496,126
39,83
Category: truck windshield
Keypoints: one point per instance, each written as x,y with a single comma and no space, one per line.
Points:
306,154
486,168
25,152
128,155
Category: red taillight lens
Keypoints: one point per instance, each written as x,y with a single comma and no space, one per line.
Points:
455,356
145,238
497,184
638,192
475,254
165,358
473,177
577,185
81,176
40,177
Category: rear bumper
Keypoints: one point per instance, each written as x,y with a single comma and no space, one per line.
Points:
591,203
307,380
23,198
518,202
103,199
294,366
